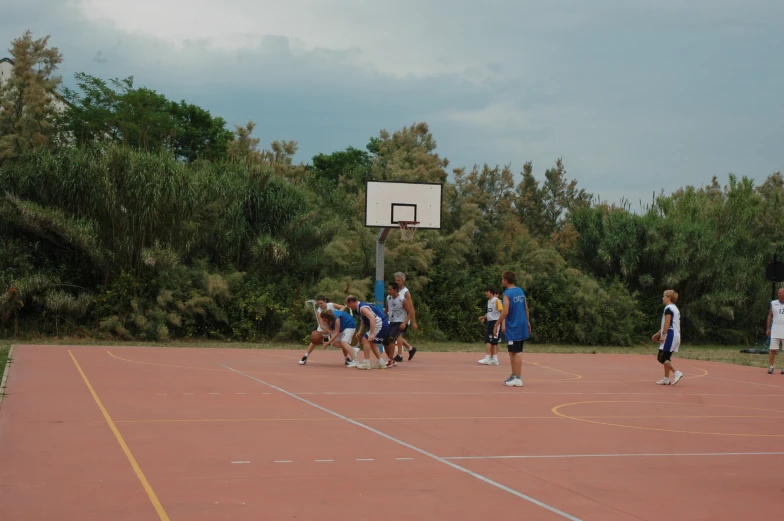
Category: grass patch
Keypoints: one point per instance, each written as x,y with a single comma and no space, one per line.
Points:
721,354
5,346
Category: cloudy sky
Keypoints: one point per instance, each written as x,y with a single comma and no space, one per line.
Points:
635,95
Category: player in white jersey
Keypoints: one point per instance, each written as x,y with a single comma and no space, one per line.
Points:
398,309
400,278
669,336
776,329
490,318
323,304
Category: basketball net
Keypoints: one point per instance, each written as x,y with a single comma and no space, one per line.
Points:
408,230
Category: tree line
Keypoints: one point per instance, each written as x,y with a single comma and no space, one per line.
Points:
126,214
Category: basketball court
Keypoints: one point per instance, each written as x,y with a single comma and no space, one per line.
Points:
225,434
172,434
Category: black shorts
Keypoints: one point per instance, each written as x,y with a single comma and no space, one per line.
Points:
394,331
490,337
515,346
664,356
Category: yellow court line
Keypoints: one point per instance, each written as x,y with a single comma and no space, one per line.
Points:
139,474
554,369
555,410
429,418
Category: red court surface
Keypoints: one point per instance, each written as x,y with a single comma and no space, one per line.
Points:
108,433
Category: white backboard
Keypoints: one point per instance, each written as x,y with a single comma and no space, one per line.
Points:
388,202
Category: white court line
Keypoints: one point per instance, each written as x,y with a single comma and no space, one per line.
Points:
214,393
364,459
417,449
240,462
404,459
161,394
686,454
282,461
459,393
188,394
324,461
242,393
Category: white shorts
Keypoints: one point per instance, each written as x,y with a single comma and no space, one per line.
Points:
347,335
775,343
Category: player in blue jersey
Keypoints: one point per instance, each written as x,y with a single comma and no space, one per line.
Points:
515,324
378,331
341,326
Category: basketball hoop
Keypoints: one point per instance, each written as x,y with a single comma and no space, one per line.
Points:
407,230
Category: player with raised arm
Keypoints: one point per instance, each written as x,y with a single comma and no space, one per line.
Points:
398,309
378,330
776,329
400,279
514,323
669,336
490,318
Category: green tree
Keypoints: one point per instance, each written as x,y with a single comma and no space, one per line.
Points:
141,118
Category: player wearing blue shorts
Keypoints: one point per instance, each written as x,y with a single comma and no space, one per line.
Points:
516,326
378,331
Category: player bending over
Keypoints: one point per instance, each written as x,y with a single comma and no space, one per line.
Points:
323,304
494,308
398,309
514,322
671,323
378,330
343,327
776,329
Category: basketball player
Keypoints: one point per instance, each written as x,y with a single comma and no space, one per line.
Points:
400,279
671,340
322,304
398,310
494,308
514,322
378,330
776,329
343,327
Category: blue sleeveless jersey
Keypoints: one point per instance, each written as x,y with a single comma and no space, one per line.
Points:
346,320
379,313
516,321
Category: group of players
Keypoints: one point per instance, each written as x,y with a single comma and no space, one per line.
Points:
385,328
337,327
508,315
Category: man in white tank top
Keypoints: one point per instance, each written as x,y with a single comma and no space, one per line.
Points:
776,329
398,309
400,279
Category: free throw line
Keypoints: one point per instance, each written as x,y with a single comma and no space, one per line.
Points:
417,449
139,474
685,454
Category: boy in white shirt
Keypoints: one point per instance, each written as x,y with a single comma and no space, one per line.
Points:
494,309
776,329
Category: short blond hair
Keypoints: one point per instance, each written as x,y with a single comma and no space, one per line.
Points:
672,295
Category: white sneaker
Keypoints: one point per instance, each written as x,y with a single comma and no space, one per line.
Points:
663,381
365,364
486,360
353,363
678,376
493,361
513,381
380,364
